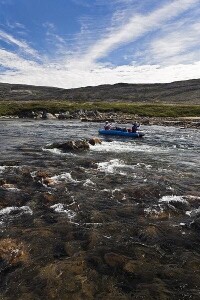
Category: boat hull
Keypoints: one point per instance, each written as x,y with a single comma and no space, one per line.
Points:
121,133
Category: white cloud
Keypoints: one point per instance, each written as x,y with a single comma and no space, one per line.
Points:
71,69
67,76
136,27
11,60
177,45
21,44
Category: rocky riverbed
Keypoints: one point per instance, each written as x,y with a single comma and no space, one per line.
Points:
119,220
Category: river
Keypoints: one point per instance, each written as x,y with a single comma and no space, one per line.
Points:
119,221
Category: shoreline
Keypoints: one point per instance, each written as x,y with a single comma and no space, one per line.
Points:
121,118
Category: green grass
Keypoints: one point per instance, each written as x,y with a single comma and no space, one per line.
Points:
147,110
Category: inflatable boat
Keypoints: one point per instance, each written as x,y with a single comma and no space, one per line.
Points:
121,133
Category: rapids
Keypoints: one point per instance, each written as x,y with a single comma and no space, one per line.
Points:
120,221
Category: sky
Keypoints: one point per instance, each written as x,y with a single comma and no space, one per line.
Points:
76,43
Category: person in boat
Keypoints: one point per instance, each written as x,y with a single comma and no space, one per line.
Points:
135,126
107,126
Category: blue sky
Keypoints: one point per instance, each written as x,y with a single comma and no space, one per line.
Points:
74,43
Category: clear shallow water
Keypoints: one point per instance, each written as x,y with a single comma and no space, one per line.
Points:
113,198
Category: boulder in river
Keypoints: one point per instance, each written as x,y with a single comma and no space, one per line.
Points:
72,145
94,141
76,145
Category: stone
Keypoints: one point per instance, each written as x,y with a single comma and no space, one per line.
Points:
94,141
64,115
115,260
48,116
72,145
13,252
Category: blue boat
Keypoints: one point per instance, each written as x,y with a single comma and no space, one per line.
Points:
121,133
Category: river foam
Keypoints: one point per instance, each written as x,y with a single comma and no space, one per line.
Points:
122,147
60,208
173,198
15,211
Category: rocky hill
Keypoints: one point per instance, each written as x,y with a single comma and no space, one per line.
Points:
187,92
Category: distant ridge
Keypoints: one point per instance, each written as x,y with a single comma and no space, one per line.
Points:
187,92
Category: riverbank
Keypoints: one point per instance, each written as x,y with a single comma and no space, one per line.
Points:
95,116
121,118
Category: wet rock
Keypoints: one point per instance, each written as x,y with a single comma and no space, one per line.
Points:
99,217
142,269
94,239
87,164
50,218
196,224
139,193
43,178
64,115
73,247
182,206
26,176
72,145
94,141
5,185
59,250
159,215
49,198
27,114
66,277
42,174
13,252
48,116
9,198
154,290
48,181
39,115
149,234
2,182
115,260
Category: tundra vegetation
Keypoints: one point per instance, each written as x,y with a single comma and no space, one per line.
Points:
141,109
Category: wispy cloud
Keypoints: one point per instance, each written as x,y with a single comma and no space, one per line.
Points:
137,26
52,37
15,25
21,44
13,61
177,45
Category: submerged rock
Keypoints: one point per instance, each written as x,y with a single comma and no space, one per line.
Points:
13,252
115,260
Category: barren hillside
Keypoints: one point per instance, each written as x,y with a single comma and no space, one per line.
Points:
187,92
